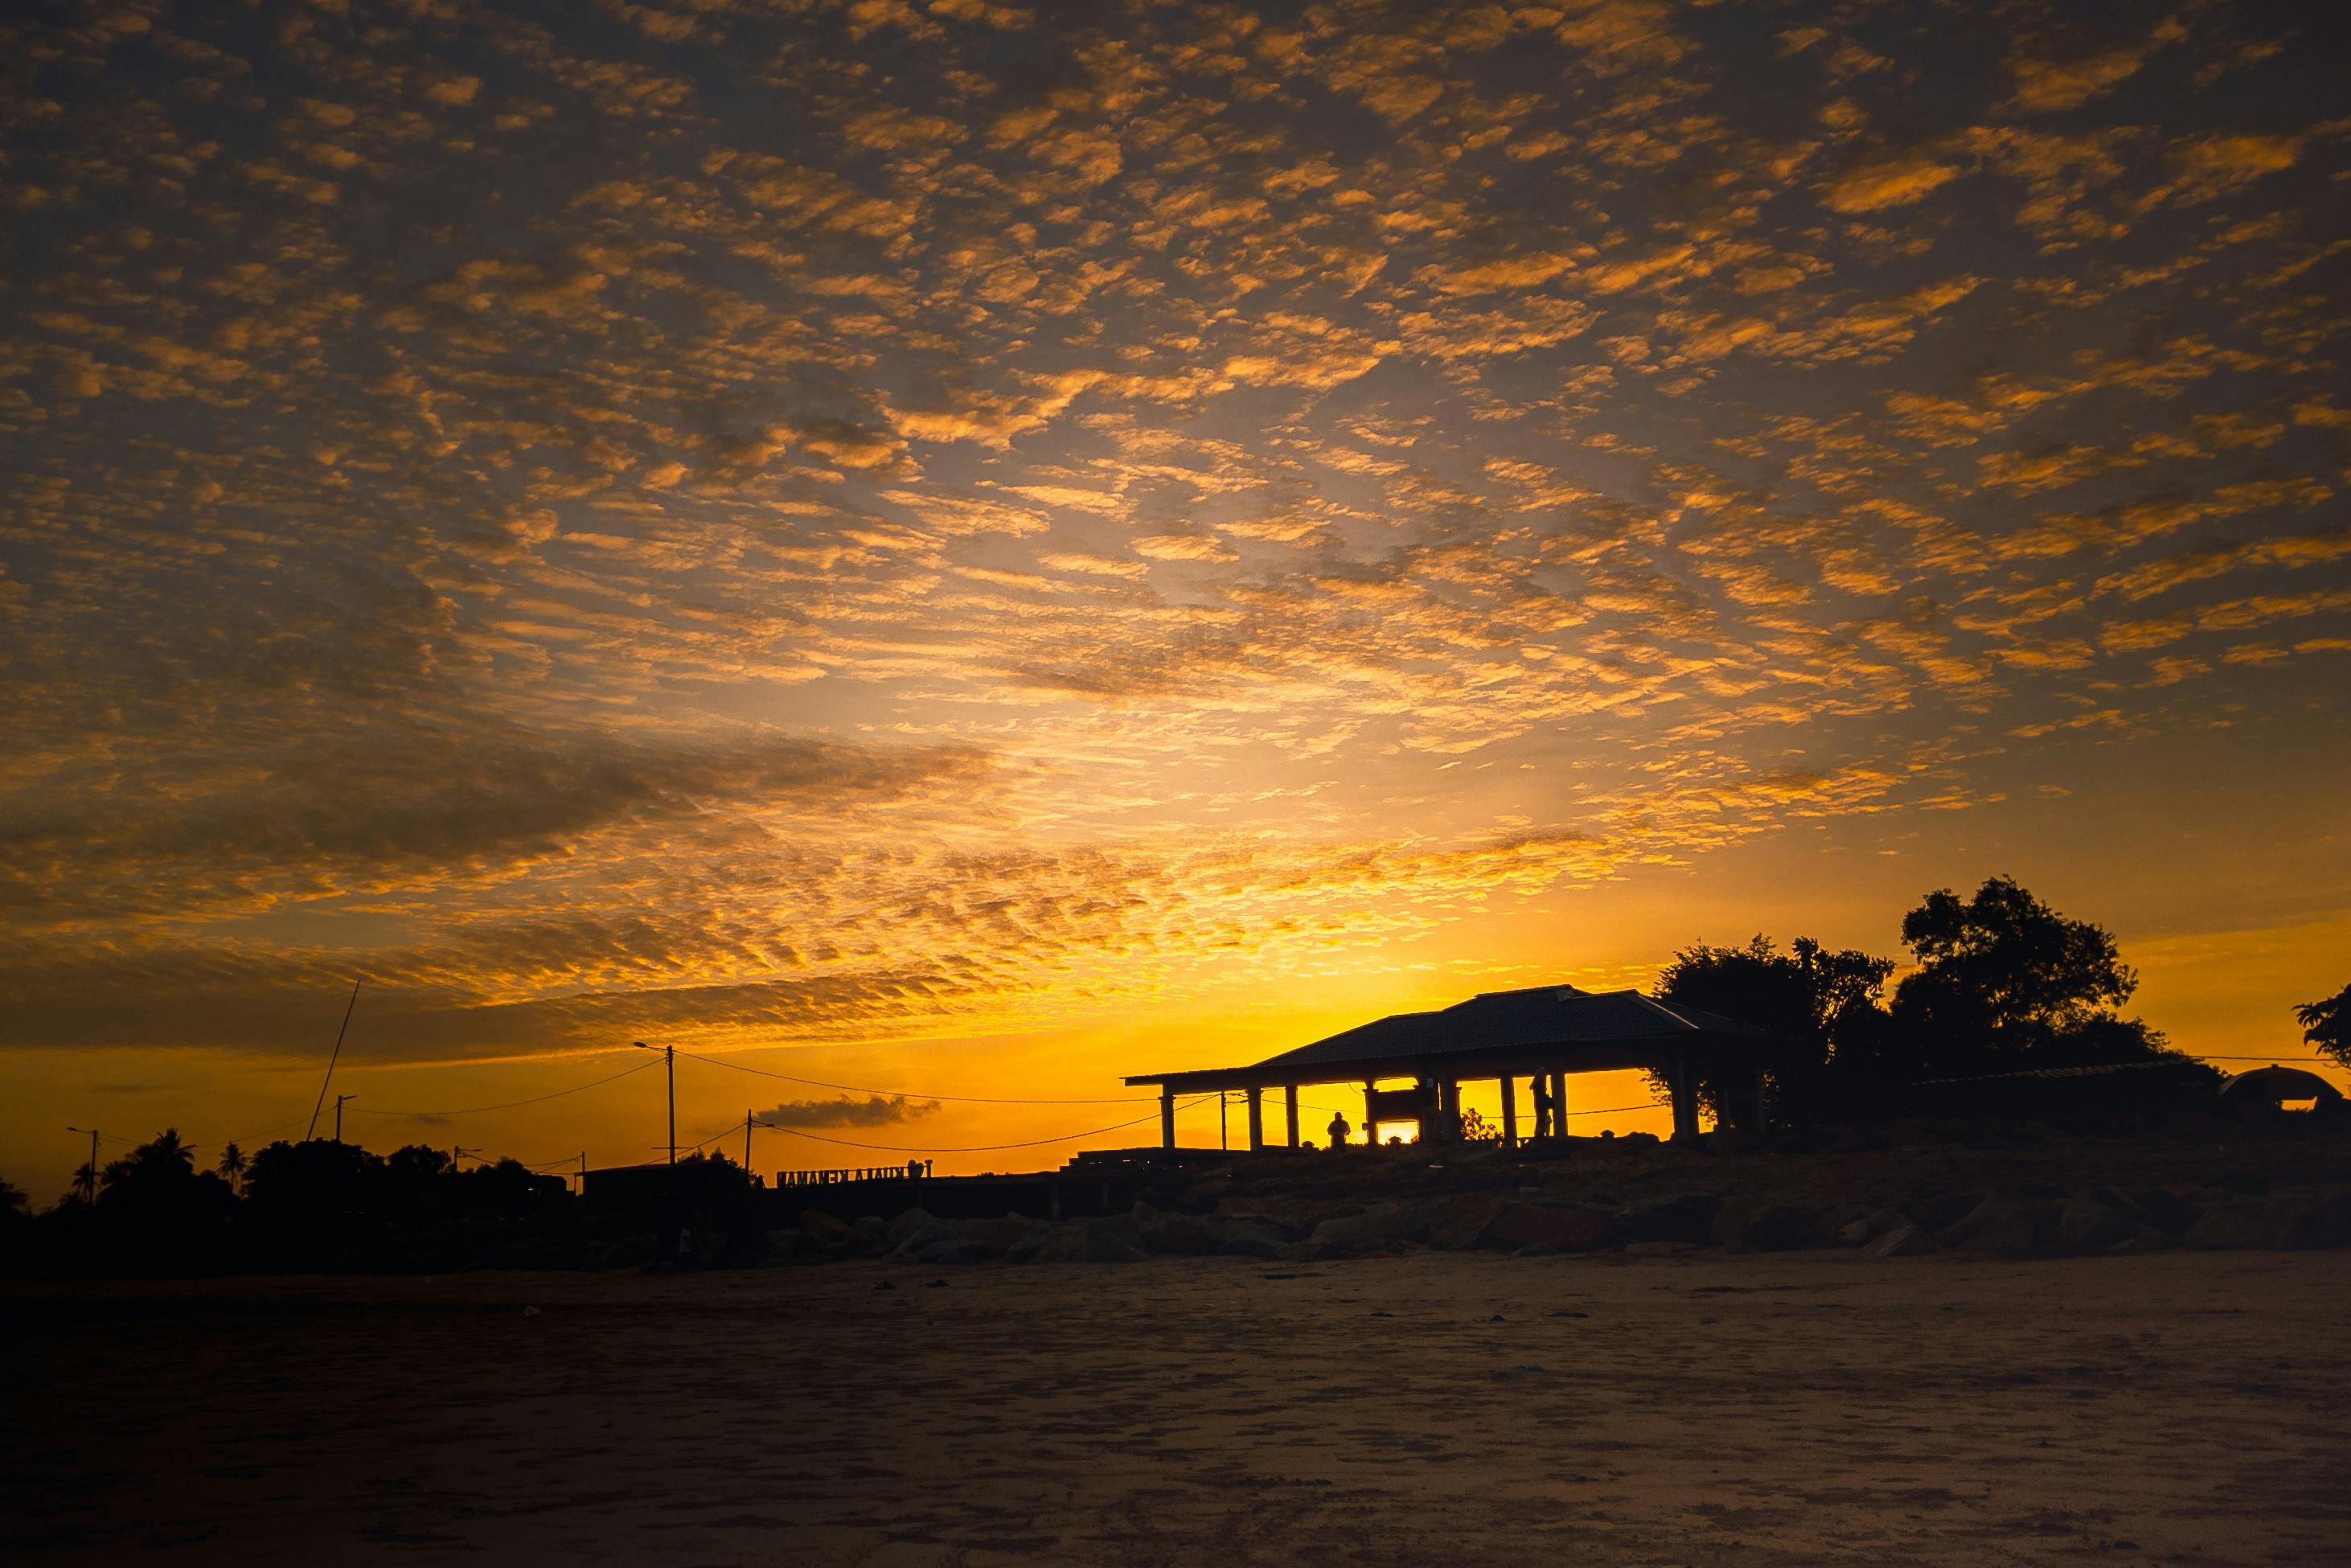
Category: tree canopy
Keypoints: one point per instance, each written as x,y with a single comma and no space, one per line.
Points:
2327,1025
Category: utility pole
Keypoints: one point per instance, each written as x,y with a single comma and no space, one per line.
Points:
746,1141
339,1114
90,1177
583,1173
669,1054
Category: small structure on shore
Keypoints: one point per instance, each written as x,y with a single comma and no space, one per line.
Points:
2269,1089
1544,1033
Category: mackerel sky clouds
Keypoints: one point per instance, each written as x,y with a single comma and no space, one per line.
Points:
798,523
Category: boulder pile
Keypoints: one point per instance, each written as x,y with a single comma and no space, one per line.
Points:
2034,1224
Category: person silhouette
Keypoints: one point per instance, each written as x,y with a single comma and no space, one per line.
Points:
1338,1129
1546,1110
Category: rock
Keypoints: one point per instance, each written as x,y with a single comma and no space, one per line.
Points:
2290,1222
1463,1221
1688,1216
1860,1229
1658,1248
1903,1241
823,1227
1747,1222
1182,1235
2229,1225
1785,1228
2322,1222
958,1252
1109,1247
1570,1228
2084,1226
1731,1223
1998,1228
1031,1248
870,1228
1384,1225
906,1224
911,1245
998,1236
1252,1239
2161,1208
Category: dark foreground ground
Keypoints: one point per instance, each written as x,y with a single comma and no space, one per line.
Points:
1433,1408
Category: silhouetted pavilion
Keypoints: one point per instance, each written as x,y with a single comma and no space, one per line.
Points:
1544,1032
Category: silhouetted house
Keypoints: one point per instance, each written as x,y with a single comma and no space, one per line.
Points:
1545,1032
617,1186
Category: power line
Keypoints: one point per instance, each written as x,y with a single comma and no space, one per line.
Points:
972,1148
901,1094
510,1105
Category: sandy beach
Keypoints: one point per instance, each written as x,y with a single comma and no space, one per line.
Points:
1427,1408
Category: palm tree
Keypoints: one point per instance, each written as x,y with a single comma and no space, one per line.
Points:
166,1150
231,1167
13,1201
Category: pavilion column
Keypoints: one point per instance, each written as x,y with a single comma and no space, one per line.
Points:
1371,1127
1509,1112
1289,1105
1685,1099
1256,1119
1559,1105
1166,1118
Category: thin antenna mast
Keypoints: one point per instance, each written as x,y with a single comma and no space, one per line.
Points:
332,1060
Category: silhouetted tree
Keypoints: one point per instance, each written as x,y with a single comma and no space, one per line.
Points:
163,1159
2004,978
231,1168
2327,1025
309,1181
156,1214
1816,1004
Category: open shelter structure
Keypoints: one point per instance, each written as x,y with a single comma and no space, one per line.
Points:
1545,1033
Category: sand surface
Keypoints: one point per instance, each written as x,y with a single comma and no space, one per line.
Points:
1438,1408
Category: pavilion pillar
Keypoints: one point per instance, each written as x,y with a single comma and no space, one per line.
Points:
1685,1099
1166,1118
1559,1105
1289,1105
1762,1117
1371,1127
1256,1119
1509,1112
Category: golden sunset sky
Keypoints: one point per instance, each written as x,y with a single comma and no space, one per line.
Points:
974,548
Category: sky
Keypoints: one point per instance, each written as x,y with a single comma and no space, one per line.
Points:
962,550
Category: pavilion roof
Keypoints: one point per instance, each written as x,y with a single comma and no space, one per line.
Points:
1543,1023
